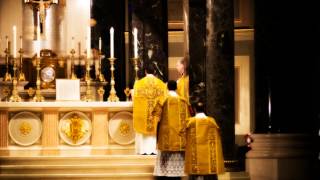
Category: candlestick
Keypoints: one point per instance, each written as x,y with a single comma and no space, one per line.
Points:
111,42
127,93
14,39
136,68
73,74
113,94
15,95
135,42
100,76
7,76
21,74
72,43
38,97
21,43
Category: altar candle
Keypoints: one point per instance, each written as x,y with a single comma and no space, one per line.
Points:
14,39
135,42
100,44
38,42
72,43
111,42
21,44
88,42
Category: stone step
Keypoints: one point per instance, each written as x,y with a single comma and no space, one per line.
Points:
87,160
106,176
77,169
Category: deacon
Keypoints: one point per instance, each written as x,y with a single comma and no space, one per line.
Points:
171,135
146,93
203,154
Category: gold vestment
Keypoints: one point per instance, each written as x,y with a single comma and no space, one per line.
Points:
147,92
203,147
172,124
183,87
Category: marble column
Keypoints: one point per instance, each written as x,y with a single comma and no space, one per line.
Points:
212,64
50,134
4,136
151,19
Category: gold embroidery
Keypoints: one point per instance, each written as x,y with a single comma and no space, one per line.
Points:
25,128
212,149
76,128
151,93
124,128
193,149
183,121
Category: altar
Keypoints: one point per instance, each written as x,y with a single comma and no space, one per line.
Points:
55,124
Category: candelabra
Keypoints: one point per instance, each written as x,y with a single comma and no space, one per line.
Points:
113,94
73,74
136,68
7,76
100,76
22,77
15,96
88,96
38,97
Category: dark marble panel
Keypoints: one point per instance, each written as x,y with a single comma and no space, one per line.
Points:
110,14
151,20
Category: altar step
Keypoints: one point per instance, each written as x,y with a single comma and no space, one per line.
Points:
92,167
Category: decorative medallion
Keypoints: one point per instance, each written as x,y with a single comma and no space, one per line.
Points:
121,128
25,128
75,128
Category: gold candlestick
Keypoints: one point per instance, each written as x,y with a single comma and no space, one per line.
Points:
136,68
113,94
38,97
100,75
73,74
7,76
127,93
15,96
88,96
101,93
22,77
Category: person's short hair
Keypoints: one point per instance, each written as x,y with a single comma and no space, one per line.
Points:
199,107
172,85
149,68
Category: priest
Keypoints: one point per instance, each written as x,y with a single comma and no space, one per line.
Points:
146,93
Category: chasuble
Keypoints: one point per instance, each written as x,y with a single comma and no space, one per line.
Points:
147,92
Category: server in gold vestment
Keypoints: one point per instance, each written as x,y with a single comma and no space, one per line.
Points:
146,93
204,157
171,135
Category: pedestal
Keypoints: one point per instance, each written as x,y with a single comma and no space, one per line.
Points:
282,156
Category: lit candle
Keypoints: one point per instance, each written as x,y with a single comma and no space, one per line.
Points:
21,44
72,43
7,42
111,42
88,42
100,44
135,42
14,41
38,42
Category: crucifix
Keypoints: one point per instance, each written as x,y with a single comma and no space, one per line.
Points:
39,8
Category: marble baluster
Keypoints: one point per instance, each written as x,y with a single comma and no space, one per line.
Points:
50,134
